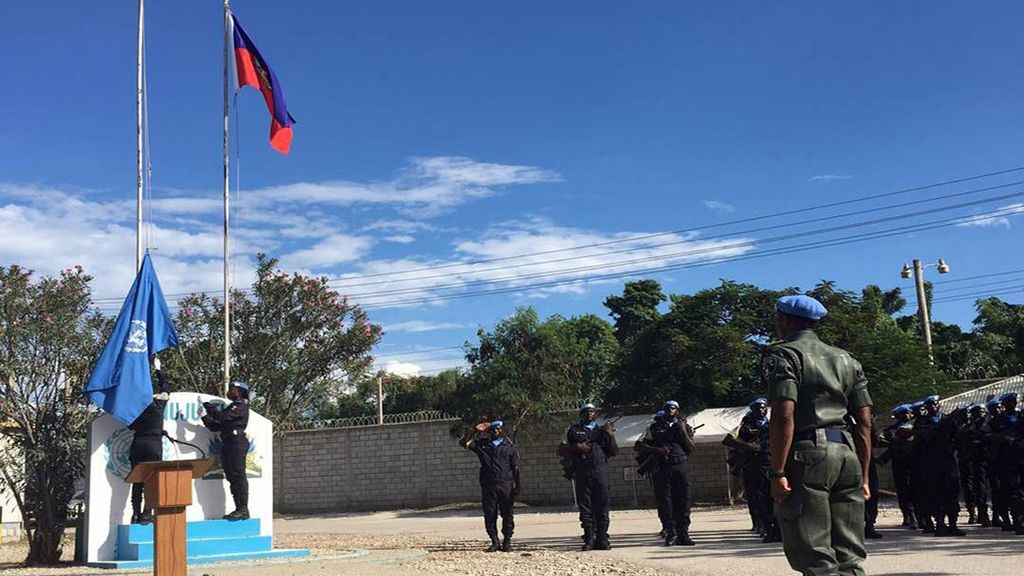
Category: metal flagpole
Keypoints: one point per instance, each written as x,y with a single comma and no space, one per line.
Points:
138,134
227,200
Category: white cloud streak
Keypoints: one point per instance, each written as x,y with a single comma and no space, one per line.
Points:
423,326
829,177
719,206
1002,219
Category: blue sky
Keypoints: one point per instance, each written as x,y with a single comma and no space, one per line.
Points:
436,133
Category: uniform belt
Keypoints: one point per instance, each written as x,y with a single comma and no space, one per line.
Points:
826,434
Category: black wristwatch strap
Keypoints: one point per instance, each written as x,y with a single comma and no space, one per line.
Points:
773,475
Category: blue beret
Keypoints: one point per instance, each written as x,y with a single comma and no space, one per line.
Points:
758,402
802,306
671,403
931,399
901,409
917,405
993,403
497,424
1008,396
659,414
241,385
976,407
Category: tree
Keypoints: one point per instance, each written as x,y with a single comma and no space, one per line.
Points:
526,367
49,340
635,310
294,340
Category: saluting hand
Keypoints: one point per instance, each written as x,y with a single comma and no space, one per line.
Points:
781,490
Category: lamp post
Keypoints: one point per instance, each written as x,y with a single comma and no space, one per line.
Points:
922,303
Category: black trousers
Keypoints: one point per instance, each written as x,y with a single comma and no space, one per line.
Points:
904,487
942,489
999,504
1010,489
232,459
974,479
497,499
871,504
593,499
751,474
143,449
674,502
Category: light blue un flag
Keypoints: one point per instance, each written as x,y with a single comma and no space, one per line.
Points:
120,383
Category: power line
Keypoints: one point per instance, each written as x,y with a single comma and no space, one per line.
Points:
980,295
413,352
966,278
688,240
708,226
782,250
689,253
693,229
954,290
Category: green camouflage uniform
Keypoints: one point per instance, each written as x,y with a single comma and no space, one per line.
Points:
822,520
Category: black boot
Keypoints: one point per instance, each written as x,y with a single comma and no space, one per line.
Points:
588,540
495,545
972,516
983,520
506,544
870,532
145,518
670,539
683,539
240,513
602,543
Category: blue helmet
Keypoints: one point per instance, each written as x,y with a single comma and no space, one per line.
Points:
933,399
757,403
917,405
659,414
241,385
993,403
977,407
1012,396
902,409
497,424
670,404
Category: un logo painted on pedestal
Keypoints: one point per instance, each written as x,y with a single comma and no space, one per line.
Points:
136,342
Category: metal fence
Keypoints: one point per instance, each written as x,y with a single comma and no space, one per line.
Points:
982,394
402,418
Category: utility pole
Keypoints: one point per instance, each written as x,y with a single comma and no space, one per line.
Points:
380,400
922,307
922,302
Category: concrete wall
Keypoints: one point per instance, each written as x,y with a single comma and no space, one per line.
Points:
420,465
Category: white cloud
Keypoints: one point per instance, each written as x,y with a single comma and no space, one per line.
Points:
559,264
426,187
333,250
423,326
829,177
720,206
400,226
998,217
402,368
400,239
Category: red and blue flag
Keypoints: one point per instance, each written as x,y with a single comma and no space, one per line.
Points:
252,70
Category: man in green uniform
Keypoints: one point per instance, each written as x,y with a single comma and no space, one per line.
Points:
819,473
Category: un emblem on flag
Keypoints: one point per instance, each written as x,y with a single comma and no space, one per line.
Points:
136,338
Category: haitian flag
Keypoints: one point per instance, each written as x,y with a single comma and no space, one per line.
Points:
120,383
252,70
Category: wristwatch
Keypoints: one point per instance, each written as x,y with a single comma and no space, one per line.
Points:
774,475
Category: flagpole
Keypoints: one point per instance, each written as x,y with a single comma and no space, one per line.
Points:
138,135
227,200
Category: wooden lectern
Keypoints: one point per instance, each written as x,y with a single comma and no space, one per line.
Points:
168,490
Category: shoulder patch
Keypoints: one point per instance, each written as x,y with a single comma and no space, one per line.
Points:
769,365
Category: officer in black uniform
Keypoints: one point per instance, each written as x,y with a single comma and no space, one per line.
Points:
992,450
231,421
973,464
646,466
499,480
1007,437
671,442
900,456
591,446
919,472
871,503
147,444
753,459
935,432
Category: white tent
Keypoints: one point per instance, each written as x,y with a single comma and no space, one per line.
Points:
714,424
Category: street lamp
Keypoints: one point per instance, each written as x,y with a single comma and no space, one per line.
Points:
922,304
